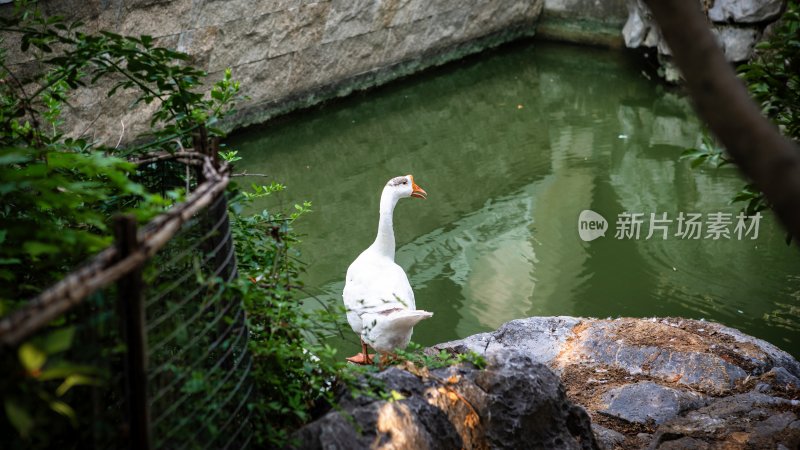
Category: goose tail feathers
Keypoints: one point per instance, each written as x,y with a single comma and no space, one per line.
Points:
408,317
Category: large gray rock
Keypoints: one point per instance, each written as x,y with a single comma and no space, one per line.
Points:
750,420
514,403
639,30
607,438
745,11
703,355
778,377
668,383
630,347
737,42
646,401
409,423
542,338
738,26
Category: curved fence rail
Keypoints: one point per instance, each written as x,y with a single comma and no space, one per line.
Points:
152,319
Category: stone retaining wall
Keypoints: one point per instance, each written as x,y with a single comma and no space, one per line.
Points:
594,22
293,53
290,54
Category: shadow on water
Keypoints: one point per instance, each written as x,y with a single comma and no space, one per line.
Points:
511,147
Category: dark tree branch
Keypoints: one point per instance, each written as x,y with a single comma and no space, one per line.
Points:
766,157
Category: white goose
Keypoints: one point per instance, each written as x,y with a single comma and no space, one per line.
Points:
378,297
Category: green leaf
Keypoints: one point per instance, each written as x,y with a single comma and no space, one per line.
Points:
690,153
742,196
32,358
61,370
56,341
14,158
19,418
700,160
35,248
65,410
75,380
396,396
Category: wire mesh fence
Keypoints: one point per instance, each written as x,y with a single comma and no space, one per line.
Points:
146,329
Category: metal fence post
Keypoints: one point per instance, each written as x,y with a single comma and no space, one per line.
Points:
129,291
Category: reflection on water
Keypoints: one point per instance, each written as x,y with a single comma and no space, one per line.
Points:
511,148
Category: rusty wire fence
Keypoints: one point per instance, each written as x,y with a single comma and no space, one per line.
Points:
151,320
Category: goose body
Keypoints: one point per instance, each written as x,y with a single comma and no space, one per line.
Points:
377,295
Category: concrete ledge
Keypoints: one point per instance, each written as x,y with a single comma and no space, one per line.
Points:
581,31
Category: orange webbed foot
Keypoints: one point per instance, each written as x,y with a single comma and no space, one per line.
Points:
360,358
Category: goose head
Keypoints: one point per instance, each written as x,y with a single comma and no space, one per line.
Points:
401,187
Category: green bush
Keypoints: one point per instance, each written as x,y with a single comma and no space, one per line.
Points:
773,78
58,195
773,74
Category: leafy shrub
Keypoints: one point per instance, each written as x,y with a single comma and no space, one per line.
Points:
773,78
415,354
773,75
58,194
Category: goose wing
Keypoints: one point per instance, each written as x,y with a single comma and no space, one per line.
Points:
373,285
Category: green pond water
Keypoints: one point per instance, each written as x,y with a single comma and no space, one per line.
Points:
511,146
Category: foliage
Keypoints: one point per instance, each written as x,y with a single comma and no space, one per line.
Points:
711,154
773,78
415,354
295,369
708,152
73,58
773,75
53,213
58,193
44,386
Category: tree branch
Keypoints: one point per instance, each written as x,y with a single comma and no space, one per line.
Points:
763,155
125,73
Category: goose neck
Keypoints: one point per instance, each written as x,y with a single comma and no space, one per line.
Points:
384,242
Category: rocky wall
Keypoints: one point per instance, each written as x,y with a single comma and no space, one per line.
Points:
738,25
290,53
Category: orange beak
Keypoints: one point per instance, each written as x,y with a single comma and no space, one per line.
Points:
417,191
